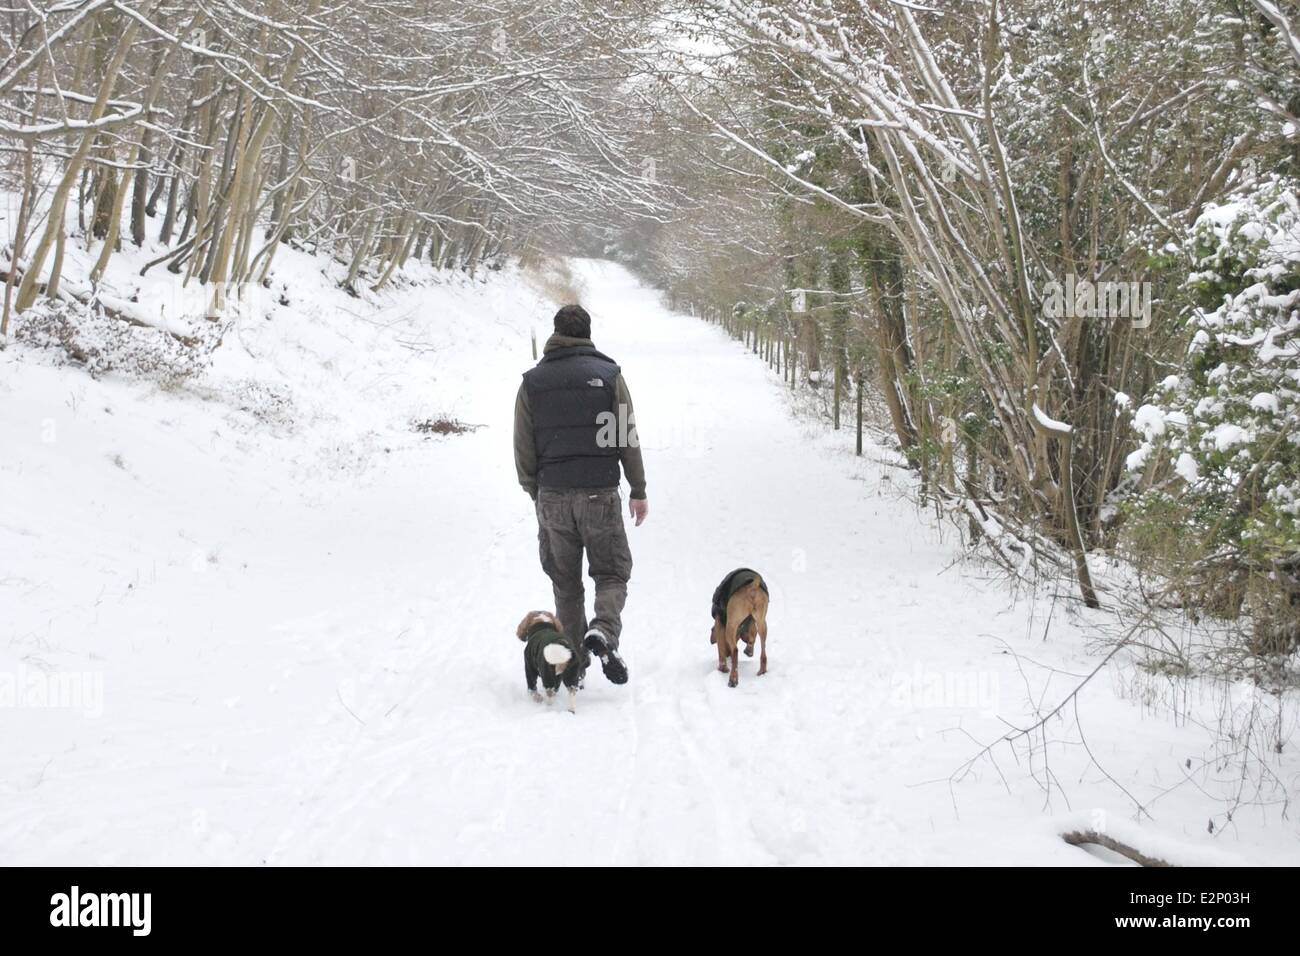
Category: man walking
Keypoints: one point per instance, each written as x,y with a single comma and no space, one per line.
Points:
573,427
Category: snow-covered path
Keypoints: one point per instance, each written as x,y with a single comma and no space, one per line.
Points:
301,670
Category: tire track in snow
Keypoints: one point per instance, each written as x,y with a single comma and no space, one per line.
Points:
725,831
630,792
669,732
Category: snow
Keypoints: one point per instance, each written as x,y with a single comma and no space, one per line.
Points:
1050,423
1187,469
1226,435
289,621
805,157
1265,402
1150,421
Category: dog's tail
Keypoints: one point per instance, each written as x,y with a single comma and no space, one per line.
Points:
556,654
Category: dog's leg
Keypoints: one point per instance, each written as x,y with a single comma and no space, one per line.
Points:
733,645
718,637
550,695
573,700
530,676
762,639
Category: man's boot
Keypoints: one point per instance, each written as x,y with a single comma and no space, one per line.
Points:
610,661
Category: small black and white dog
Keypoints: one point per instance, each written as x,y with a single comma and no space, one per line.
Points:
550,655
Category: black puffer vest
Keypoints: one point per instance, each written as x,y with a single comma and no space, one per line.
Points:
568,391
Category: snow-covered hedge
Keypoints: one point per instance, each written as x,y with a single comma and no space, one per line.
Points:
1220,440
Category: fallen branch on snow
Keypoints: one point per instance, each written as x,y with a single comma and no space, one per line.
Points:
1080,837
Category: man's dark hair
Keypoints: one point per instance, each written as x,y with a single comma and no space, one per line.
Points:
573,321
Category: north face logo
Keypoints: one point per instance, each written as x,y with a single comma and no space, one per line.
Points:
595,383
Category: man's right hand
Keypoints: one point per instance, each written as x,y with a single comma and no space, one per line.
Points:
638,508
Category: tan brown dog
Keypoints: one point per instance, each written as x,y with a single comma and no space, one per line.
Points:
740,613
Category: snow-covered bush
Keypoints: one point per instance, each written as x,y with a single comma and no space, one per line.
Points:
103,344
1220,440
